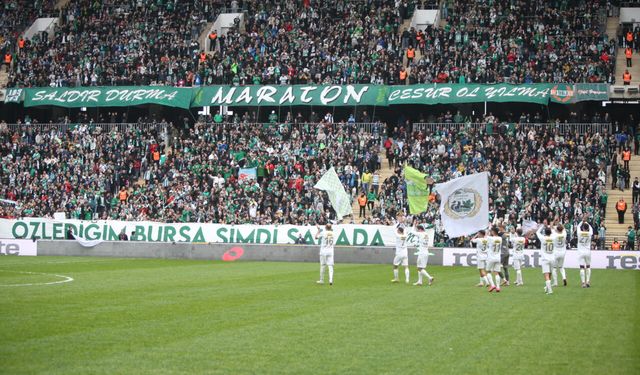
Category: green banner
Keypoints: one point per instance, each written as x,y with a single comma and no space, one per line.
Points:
417,190
305,95
468,93
264,95
115,96
579,92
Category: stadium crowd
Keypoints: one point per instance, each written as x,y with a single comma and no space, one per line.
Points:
138,43
192,173
91,174
516,42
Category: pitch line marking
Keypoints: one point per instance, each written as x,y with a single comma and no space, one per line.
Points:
66,278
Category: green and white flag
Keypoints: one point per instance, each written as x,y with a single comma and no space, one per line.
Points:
464,204
338,197
417,190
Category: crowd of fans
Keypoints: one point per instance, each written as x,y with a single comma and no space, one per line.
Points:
115,42
92,174
16,16
515,42
191,174
156,42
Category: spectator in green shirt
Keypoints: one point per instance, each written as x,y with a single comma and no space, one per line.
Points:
631,239
371,198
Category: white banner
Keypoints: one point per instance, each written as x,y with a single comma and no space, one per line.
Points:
628,260
107,230
18,247
464,204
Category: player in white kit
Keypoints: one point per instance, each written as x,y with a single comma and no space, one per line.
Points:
402,255
517,254
547,257
493,260
559,251
326,252
585,232
424,241
482,247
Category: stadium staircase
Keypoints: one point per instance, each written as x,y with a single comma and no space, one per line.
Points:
384,172
4,77
615,230
621,61
204,38
61,4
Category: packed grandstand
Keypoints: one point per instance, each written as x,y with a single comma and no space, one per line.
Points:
116,164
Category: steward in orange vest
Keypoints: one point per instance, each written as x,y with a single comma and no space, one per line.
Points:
213,36
626,78
411,53
403,76
615,245
628,53
621,207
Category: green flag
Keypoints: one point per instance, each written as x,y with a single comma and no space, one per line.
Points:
417,190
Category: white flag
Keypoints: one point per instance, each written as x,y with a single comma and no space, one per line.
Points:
529,226
339,198
87,243
464,204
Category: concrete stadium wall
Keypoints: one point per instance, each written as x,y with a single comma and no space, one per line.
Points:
278,253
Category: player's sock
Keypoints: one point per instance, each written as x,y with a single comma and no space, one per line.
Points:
588,275
487,280
498,280
322,272
563,273
582,275
506,273
425,273
406,275
554,276
419,277
483,280
519,276
548,284
330,274
395,274
490,279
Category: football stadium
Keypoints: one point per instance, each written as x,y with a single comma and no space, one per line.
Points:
319,187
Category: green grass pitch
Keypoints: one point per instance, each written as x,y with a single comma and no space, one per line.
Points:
130,316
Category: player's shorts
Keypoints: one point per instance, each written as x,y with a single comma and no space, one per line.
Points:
518,264
423,260
547,265
559,259
326,260
584,259
401,260
482,264
493,266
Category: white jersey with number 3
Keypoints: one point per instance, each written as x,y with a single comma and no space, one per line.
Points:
482,246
